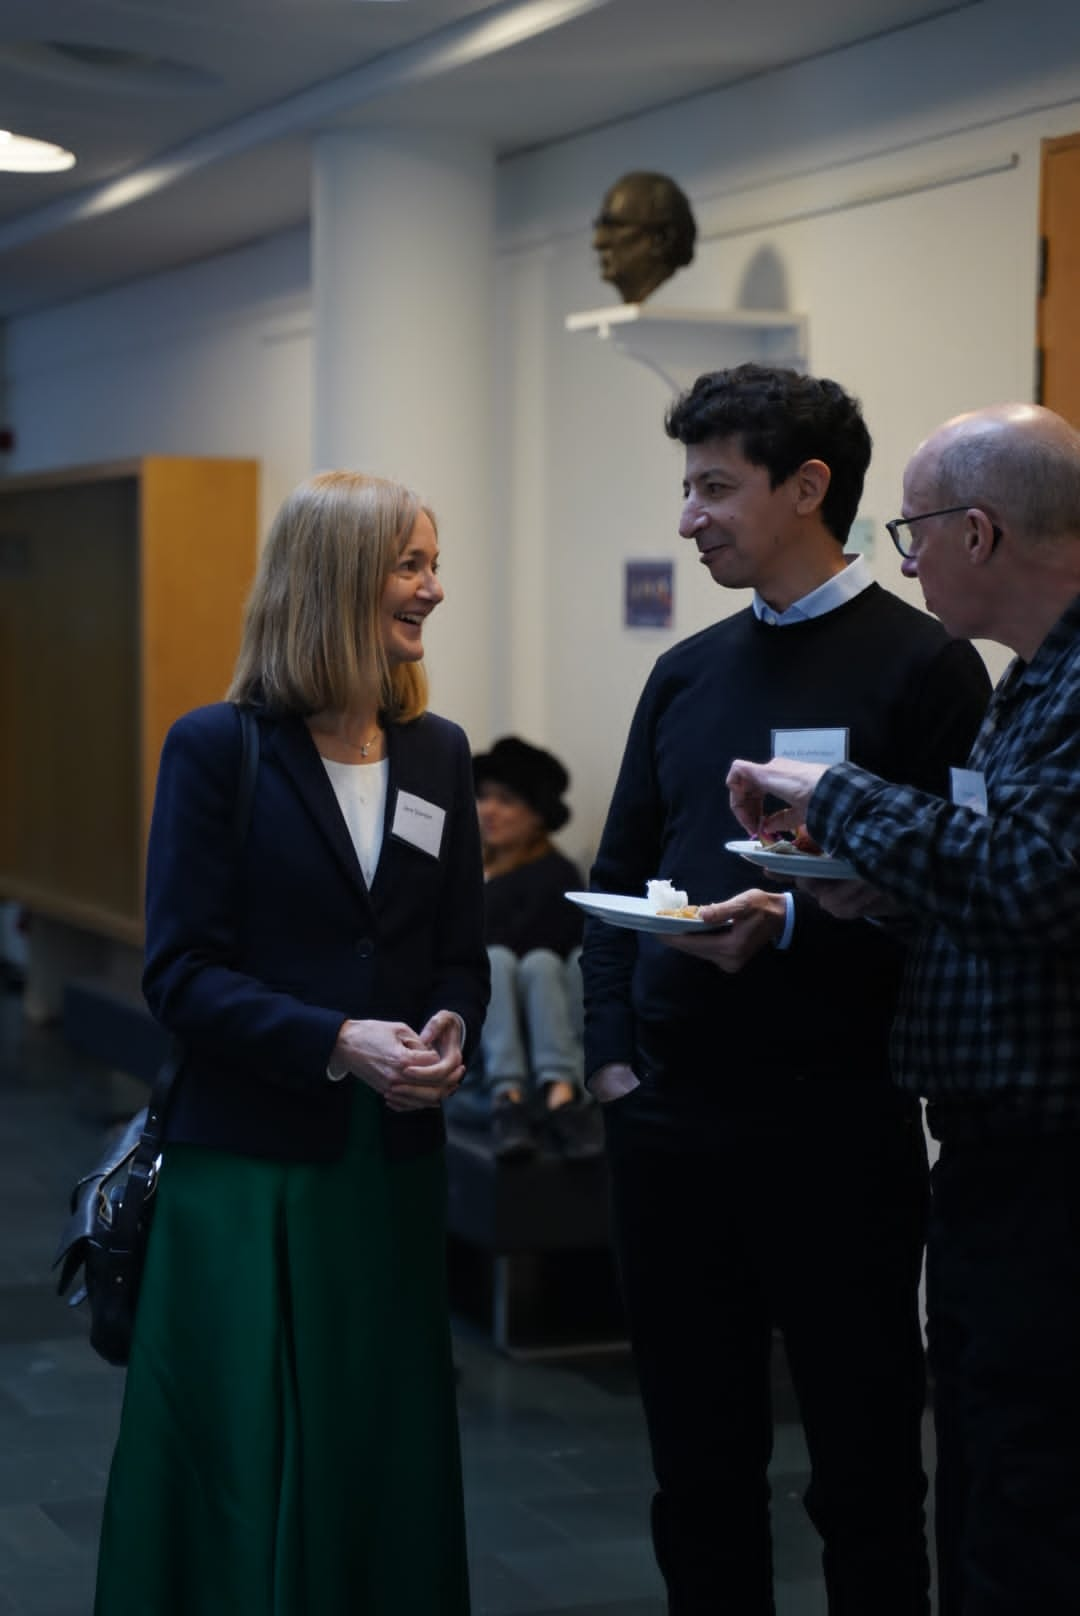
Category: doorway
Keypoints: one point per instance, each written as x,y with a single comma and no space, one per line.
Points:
1058,368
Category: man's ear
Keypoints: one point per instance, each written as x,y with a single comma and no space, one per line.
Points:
978,536
811,485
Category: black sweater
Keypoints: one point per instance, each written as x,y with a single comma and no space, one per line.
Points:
525,908
911,700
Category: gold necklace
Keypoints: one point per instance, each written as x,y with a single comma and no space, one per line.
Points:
331,734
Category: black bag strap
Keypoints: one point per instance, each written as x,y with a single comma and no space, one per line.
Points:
143,1171
245,780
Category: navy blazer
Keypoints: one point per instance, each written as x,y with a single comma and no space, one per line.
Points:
255,956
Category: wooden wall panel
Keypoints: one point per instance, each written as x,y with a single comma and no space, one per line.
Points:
71,672
121,594
197,559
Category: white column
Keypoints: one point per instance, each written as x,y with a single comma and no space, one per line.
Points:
527,329
402,278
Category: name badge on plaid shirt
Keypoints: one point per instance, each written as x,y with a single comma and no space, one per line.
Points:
969,789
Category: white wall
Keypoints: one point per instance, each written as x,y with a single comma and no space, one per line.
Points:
889,192
209,360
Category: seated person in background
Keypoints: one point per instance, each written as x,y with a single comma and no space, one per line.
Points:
531,1042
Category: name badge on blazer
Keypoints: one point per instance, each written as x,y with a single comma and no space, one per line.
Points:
418,822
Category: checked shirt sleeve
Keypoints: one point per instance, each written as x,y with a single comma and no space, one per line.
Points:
990,1015
990,881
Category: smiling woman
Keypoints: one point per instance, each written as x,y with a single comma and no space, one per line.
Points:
326,980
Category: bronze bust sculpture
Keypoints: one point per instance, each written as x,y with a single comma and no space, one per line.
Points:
644,232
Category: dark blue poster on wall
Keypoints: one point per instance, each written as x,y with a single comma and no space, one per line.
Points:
650,594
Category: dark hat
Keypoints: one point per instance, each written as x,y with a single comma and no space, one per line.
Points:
534,775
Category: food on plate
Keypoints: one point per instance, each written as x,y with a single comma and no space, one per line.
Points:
801,842
663,897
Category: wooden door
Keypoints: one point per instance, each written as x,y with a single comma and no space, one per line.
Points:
1058,370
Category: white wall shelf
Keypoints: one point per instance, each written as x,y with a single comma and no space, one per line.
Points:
679,344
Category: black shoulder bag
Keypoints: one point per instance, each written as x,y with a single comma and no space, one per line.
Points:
112,1205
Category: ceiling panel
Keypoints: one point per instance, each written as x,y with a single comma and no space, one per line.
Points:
618,58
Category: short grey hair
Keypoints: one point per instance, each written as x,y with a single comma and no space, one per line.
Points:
1029,480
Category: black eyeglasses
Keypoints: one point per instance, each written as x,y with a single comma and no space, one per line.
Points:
907,543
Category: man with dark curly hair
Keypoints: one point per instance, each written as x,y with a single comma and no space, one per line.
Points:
767,1175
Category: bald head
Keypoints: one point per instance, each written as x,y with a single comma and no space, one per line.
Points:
1019,462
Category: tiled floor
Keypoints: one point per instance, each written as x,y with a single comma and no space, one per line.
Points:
557,1475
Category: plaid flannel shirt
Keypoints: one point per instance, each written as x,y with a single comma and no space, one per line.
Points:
989,1021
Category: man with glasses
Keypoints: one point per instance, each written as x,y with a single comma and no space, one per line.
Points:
644,232
989,1022
765,1172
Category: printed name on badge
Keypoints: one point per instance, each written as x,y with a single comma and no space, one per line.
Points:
418,822
826,746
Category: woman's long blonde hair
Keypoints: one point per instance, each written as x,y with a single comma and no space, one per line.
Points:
312,639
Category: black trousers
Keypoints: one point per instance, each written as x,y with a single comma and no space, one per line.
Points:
807,1213
1004,1300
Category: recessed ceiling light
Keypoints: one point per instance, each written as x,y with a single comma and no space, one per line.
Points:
22,154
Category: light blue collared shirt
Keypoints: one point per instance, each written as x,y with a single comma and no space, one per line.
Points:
844,586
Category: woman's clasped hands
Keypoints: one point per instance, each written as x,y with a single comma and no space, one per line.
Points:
409,1070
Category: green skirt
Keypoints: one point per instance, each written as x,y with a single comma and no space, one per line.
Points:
289,1442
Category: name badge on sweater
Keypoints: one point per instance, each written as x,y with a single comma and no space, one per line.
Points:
969,789
418,822
826,746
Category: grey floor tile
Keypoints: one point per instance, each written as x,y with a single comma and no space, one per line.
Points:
512,1469
610,1463
89,1434
625,1607
593,1519
501,1524
58,1352
601,1574
497,1590
28,1312
53,1595
44,1476
541,1428
800,1598
79,1519
63,1391
796,1544
30,1543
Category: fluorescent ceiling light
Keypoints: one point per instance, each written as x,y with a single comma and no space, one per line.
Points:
22,154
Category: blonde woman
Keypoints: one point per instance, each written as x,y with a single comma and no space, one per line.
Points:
289,1439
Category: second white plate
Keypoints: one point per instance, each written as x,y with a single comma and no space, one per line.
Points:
795,866
636,914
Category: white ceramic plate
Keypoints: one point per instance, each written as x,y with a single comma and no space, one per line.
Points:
636,914
793,866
